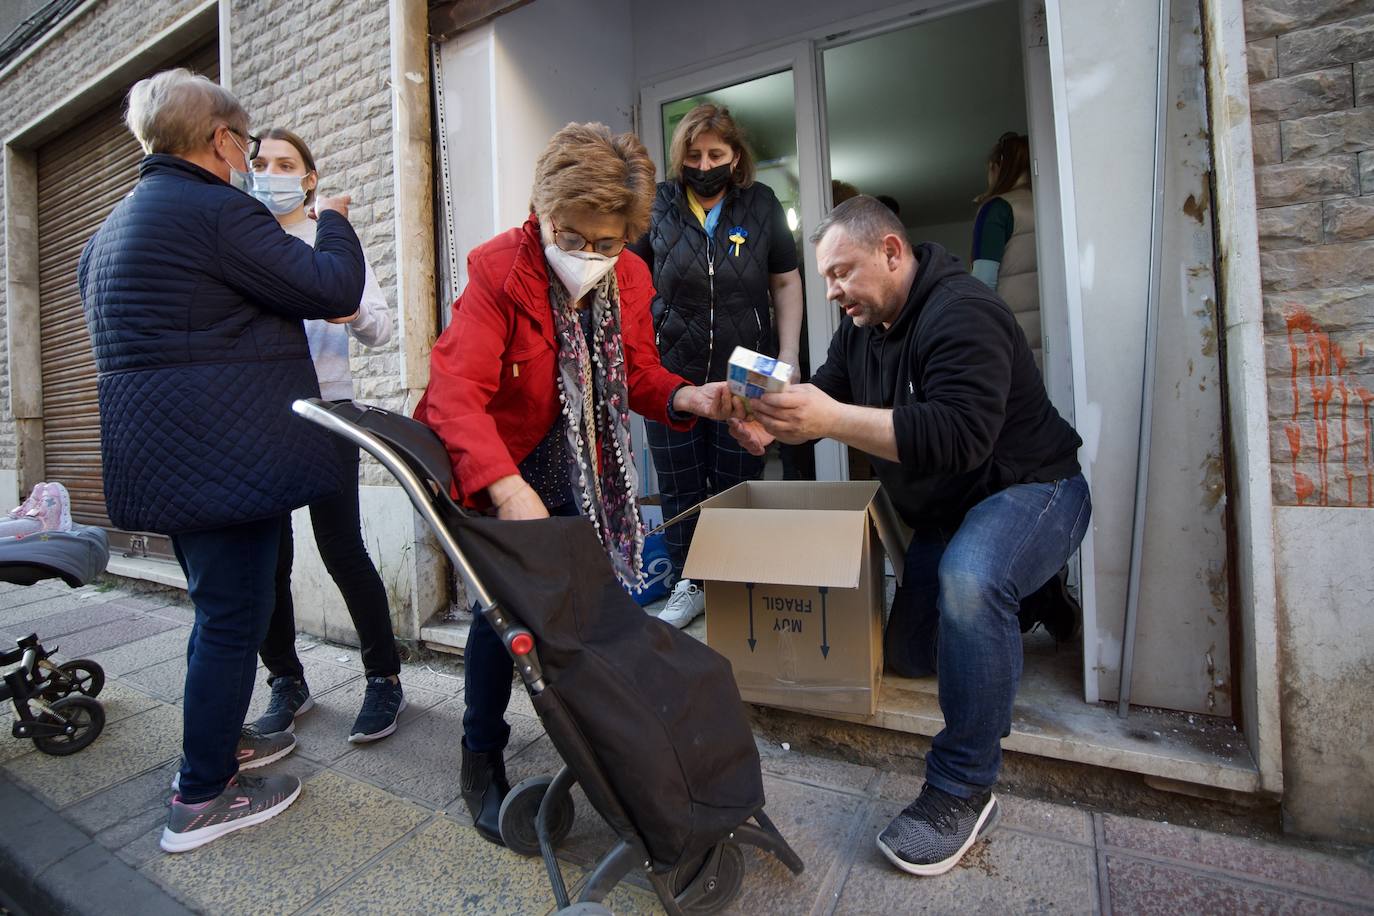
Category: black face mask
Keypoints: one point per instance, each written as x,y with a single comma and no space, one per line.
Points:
708,182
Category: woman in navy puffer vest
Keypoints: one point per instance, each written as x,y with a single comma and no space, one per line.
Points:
194,297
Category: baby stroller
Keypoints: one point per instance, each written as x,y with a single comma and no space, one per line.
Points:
646,719
68,716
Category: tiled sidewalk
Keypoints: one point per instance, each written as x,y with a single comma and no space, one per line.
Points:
380,828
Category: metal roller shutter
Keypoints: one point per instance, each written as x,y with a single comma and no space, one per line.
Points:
82,174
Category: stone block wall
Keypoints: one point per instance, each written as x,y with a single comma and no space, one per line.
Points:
1311,66
322,68
73,58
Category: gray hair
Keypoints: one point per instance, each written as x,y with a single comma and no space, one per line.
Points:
864,219
177,111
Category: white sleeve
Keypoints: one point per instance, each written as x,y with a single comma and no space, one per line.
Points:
372,327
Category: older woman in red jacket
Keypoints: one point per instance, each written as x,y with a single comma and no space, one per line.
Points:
550,347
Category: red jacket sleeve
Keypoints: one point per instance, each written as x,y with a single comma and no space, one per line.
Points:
650,384
464,373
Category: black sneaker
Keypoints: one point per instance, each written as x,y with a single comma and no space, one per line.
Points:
932,833
382,705
290,698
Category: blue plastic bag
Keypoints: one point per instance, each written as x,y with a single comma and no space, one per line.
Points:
658,569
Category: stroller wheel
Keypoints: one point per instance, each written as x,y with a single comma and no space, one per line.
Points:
82,676
520,810
584,909
710,884
85,716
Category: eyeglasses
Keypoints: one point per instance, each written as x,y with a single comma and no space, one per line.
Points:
254,143
568,240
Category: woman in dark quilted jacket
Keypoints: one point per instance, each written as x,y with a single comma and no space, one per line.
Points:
194,298
725,267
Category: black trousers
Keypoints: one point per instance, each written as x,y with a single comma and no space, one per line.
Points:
338,534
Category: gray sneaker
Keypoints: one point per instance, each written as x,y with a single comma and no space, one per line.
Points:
246,801
255,750
932,833
290,698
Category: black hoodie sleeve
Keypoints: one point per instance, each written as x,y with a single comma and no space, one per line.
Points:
966,381
833,376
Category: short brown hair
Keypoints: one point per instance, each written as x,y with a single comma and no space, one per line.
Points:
586,167
307,160
178,112
715,119
864,219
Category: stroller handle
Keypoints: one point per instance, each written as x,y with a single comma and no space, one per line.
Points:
518,640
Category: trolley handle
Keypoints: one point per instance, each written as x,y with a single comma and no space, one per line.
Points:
519,642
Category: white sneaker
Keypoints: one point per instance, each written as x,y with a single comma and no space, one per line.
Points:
684,604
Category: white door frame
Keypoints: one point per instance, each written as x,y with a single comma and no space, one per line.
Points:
799,57
1046,96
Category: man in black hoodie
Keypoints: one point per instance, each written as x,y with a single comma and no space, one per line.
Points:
931,376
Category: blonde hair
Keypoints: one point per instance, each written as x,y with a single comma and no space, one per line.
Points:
177,111
586,167
716,119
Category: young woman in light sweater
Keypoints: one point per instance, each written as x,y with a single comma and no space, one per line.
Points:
284,180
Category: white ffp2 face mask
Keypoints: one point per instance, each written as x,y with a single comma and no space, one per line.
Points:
580,271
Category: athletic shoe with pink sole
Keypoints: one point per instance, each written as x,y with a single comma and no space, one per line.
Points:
246,801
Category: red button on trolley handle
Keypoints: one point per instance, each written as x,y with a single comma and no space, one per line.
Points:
522,644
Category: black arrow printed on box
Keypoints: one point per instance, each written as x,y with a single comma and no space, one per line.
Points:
825,647
749,586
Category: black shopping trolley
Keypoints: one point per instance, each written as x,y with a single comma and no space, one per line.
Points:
647,720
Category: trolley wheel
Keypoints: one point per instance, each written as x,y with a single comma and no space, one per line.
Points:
521,808
710,884
81,676
83,715
584,909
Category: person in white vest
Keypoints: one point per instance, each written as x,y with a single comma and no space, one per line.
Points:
1004,235
1004,259
284,180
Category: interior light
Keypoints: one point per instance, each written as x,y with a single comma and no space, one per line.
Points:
792,221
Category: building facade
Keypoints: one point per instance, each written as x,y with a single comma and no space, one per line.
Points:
1205,275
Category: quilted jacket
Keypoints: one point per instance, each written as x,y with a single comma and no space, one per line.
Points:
700,316
194,297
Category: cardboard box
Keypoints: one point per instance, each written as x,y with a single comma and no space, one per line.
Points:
793,572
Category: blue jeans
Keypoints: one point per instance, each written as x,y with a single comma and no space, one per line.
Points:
956,613
487,673
229,575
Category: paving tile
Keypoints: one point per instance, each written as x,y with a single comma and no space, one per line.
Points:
143,653
447,868
1142,888
52,627
419,761
819,771
1062,822
817,824
165,680
121,814
125,749
590,837
121,702
449,683
38,605
1009,872
184,614
285,863
322,733
115,633
1298,868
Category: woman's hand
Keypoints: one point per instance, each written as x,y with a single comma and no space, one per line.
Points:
347,319
712,401
515,500
751,435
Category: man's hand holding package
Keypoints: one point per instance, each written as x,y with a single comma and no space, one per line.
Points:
798,413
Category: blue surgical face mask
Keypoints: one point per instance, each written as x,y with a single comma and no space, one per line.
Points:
279,193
